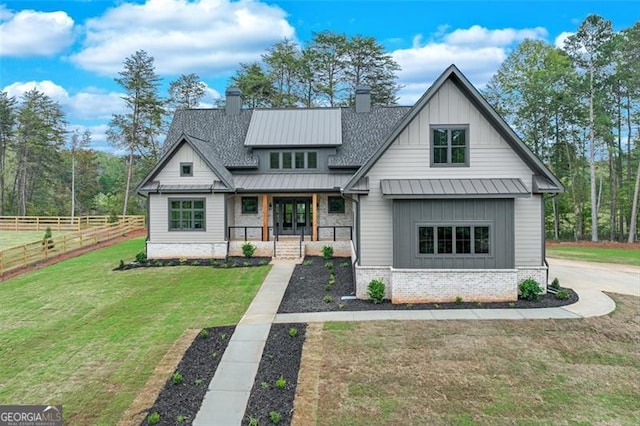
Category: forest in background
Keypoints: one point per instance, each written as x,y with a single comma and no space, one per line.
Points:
577,108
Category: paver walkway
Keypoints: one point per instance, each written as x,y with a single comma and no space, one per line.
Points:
226,398
228,393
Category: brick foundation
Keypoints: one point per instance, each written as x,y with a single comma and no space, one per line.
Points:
216,250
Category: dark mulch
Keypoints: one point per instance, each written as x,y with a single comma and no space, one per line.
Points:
281,357
197,368
230,262
307,291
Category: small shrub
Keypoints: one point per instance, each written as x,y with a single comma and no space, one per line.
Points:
458,299
262,262
307,262
345,264
562,295
328,287
182,261
280,383
214,263
121,265
180,418
245,264
327,299
293,332
329,266
47,240
530,289
437,306
375,290
480,304
264,385
141,257
340,305
197,382
195,263
275,417
204,333
223,336
555,284
176,378
153,418
113,218
253,421
511,304
248,249
327,252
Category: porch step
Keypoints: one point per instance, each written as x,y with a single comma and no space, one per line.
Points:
288,249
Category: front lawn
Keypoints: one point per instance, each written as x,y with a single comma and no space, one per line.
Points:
474,372
624,256
79,334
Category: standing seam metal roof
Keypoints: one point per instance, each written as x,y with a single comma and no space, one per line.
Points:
448,188
295,127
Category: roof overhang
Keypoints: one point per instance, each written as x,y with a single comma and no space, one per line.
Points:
543,185
154,187
290,182
453,188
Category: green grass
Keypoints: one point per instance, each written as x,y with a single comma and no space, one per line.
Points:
592,254
79,334
18,238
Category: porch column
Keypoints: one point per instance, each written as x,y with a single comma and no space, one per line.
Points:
265,217
314,226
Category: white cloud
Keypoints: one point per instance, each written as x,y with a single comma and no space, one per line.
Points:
481,36
99,140
32,33
207,37
91,104
477,51
561,39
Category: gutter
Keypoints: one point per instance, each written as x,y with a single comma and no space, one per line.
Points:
357,233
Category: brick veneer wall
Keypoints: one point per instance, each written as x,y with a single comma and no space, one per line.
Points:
217,250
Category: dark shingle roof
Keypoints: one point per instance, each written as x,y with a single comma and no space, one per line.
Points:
225,135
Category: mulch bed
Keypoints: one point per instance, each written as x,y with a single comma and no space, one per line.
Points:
229,262
307,292
281,357
197,367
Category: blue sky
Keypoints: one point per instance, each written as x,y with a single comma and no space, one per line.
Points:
72,50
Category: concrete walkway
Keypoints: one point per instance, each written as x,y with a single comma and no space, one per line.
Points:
226,399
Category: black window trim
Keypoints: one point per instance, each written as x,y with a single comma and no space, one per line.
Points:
186,163
242,207
464,127
453,225
343,211
181,199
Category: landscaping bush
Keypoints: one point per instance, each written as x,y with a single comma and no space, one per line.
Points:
327,252
47,241
248,249
141,257
375,290
530,289
562,294
555,284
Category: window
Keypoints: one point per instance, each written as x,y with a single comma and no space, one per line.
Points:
450,146
249,205
186,169
459,239
293,160
336,204
186,214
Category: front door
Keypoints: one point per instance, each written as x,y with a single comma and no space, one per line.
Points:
293,216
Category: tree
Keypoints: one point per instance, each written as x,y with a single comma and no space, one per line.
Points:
255,85
328,64
186,92
39,136
590,47
7,128
137,130
283,62
77,145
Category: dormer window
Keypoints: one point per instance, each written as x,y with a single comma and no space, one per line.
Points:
186,169
449,146
289,160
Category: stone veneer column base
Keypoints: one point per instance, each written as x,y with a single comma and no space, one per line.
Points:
217,250
445,285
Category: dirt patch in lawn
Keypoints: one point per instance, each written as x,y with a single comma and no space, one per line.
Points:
308,291
180,400
19,271
481,372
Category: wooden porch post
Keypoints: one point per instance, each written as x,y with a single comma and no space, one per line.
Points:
265,217
314,209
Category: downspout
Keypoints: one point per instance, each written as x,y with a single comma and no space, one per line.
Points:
357,234
544,234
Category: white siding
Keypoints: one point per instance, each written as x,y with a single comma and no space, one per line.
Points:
170,173
159,220
409,157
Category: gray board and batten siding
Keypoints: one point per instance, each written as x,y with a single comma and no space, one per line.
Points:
497,214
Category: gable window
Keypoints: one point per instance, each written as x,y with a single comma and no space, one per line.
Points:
186,214
293,160
186,169
450,146
249,205
459,239
336,204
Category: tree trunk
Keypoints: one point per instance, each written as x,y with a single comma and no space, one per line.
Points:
613,187
592,162
556,219
634,209
73,186
128,186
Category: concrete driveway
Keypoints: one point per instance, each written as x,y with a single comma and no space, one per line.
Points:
622,279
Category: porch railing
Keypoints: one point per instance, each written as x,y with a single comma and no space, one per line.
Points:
350,228
273,230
